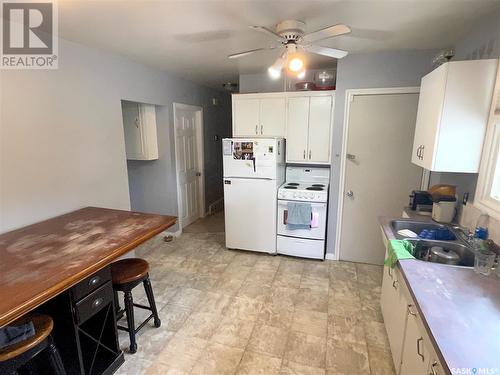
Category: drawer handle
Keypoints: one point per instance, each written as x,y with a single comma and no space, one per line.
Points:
389,271
394,283
94,281
433,372
418,348
411,312
97,302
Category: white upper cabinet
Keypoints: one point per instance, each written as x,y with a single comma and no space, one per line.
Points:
272,116
452,115
259,115
246,117
297,129
139,124
309,128
320,121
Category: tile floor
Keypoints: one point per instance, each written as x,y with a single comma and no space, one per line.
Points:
234,312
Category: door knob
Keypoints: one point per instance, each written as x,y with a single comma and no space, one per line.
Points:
351,157
350,193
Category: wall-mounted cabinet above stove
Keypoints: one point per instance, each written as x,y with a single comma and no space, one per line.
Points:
305,119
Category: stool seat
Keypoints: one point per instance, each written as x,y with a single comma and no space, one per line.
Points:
43,327
129,270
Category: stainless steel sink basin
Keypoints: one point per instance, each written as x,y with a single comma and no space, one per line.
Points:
423,251
414,226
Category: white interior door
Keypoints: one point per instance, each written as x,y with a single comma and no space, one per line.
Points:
188,169
378,173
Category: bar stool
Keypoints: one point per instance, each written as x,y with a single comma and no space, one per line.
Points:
17,355
126,275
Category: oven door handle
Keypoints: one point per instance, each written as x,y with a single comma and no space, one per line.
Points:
285,217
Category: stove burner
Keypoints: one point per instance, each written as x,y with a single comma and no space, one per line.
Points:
318,185
315,188
290,187
292,184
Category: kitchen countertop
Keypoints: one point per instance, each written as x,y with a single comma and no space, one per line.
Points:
44,259
460,310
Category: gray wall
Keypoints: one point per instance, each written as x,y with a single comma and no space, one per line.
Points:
62,141
373,70
153,186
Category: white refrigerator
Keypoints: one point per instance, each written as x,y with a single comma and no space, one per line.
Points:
253,171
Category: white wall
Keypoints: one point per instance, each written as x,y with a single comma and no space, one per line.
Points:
61,135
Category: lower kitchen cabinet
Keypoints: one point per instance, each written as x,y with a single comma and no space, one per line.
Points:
412,350
415,358
394,311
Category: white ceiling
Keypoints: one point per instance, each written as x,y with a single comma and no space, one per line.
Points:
193,38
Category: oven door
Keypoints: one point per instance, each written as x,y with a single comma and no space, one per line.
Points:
316,232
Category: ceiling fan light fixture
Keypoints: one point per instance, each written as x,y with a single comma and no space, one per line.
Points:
275,69
295,64
273,72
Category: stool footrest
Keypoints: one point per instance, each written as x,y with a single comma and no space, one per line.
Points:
140,326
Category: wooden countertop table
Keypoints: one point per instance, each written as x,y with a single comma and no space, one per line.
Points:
40,261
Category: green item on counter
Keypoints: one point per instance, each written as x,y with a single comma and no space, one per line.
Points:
396,250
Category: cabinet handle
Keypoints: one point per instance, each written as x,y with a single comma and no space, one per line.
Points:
418,348
418,151
394,283
422,153
97,302
389,271
433,372
262,129
256,129
411,312
94,281
309,154
304,154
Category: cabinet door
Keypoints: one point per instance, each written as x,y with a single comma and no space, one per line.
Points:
416,355
147,114
394,310
430,106
272,117
246,117
297,129
320,119
132,128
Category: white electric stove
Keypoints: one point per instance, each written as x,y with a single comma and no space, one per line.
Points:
308,185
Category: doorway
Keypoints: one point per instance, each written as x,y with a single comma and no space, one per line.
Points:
188,133
377,174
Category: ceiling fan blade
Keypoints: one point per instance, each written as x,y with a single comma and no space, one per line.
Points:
328,32
245,53
267,31
326,51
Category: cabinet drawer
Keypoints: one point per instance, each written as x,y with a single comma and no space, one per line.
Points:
93,303
90,284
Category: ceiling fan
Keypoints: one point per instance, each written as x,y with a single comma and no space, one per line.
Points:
292,37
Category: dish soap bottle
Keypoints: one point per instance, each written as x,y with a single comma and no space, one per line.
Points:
481,231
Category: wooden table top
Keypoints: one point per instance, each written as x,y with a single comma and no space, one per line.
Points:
39,261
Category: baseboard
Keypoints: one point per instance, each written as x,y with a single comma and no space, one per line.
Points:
215,206
330,256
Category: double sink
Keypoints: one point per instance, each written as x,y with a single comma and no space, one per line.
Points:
457,252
